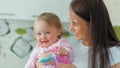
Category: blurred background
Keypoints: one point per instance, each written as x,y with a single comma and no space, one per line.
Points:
16,26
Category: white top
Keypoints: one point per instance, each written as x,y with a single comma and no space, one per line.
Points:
81,54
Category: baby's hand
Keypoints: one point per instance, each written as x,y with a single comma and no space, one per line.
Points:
46,58
51,62
62,51
39,65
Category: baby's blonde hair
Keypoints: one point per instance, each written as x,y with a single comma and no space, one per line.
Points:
51,19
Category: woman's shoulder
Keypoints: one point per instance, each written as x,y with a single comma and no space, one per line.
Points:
115,49
114,55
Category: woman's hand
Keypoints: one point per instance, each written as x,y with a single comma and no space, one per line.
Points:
116,65
63,65
62,51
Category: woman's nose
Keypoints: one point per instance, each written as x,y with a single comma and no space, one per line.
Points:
71,28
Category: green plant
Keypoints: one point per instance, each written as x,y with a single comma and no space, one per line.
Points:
21,31
117,31
67,34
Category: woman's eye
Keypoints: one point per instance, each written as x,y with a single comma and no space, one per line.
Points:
74,23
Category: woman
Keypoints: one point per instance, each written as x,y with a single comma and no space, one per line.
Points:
99,48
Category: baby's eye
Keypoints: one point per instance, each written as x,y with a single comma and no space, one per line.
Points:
38,33
47,32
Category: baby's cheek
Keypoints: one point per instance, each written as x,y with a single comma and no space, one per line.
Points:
53,40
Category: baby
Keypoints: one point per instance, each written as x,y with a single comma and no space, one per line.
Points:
51,48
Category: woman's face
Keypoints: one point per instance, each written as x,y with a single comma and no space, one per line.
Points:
79,26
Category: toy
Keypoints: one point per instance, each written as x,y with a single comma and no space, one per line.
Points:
52,58
49,58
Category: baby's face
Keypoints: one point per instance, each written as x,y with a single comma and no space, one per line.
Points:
46,34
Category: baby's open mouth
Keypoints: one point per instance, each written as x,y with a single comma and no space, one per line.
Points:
45,41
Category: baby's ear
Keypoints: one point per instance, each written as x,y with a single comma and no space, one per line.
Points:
59,32
35,37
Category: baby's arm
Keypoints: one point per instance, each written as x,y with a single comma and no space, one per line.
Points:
64,48
31,63
63,51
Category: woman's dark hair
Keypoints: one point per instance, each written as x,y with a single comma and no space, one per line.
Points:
102,32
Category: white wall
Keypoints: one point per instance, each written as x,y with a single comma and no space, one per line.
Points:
7,58
28,9
114,10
